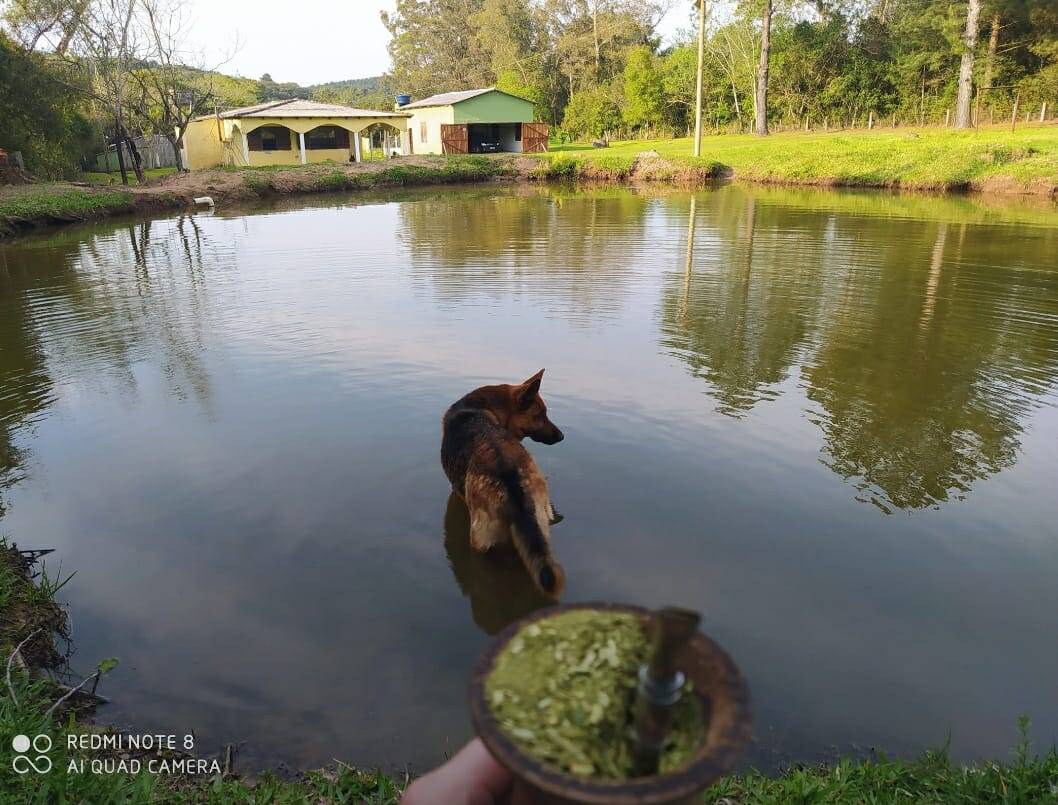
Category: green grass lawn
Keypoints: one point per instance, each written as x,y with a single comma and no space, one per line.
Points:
927,158
115,177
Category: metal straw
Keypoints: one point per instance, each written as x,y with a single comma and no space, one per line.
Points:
660,685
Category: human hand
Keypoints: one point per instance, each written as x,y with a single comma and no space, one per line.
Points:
472,777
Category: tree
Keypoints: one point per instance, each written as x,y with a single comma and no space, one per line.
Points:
732,49
433,47
173,92
113,45
52,23
760,96
643,90
42,112
591,113
963,119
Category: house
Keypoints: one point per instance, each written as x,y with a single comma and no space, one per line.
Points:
473,121
290,132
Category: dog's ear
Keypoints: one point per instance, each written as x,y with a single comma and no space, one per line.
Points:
528,390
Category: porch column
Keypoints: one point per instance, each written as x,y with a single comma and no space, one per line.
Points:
245,147
301,142
356,146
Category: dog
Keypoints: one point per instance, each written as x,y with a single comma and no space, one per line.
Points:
505,492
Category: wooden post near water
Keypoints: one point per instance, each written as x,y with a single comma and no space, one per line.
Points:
698,80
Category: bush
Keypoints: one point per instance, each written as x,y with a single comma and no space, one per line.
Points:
39,114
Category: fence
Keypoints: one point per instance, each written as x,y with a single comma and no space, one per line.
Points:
155,152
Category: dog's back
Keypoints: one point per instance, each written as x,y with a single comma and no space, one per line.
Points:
505,492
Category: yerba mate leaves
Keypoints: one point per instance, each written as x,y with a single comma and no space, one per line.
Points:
564,688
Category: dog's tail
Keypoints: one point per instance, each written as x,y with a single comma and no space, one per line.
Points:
532,543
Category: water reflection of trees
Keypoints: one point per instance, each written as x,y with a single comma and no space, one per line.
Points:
86,309
570,250
25,386
923,360
923,377
746,301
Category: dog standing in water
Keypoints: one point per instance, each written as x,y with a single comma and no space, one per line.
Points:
505,492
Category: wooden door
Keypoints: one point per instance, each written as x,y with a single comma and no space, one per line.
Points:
455,138
534,137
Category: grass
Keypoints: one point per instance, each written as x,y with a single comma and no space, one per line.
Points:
928,158
325,178
28,204
95,178
25,605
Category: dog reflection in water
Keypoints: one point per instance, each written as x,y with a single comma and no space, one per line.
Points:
499,589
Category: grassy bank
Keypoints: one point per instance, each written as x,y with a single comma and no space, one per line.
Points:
114,178
28,605
24,207
992,159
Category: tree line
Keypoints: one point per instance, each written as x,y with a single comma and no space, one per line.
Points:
78,76
598,67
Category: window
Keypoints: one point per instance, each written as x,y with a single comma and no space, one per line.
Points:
422,132
517,132
324,137
269,138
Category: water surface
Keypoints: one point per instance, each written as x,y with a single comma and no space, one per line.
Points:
827,420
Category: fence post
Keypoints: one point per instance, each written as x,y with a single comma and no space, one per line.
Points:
1014,114
1043,112
947,117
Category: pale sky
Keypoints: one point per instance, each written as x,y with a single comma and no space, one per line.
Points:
308,41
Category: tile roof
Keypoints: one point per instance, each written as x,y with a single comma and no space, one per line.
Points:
296,107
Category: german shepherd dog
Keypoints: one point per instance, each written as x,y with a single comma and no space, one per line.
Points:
483,457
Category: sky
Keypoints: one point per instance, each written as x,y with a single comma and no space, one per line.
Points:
308,41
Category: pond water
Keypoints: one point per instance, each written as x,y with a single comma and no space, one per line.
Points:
826,420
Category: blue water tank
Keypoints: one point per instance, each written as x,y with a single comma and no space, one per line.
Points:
403,100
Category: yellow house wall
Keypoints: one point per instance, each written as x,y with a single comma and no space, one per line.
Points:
331,154
202,145
291,157
433,116
206,149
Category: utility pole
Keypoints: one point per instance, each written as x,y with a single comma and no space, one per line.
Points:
698,81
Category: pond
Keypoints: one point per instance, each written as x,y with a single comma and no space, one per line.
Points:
826,420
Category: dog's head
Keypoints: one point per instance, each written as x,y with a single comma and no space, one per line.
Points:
528,414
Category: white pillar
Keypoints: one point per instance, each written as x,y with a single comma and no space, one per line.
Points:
245,147
356,146
301,142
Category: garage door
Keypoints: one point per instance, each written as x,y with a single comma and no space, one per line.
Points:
455,138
